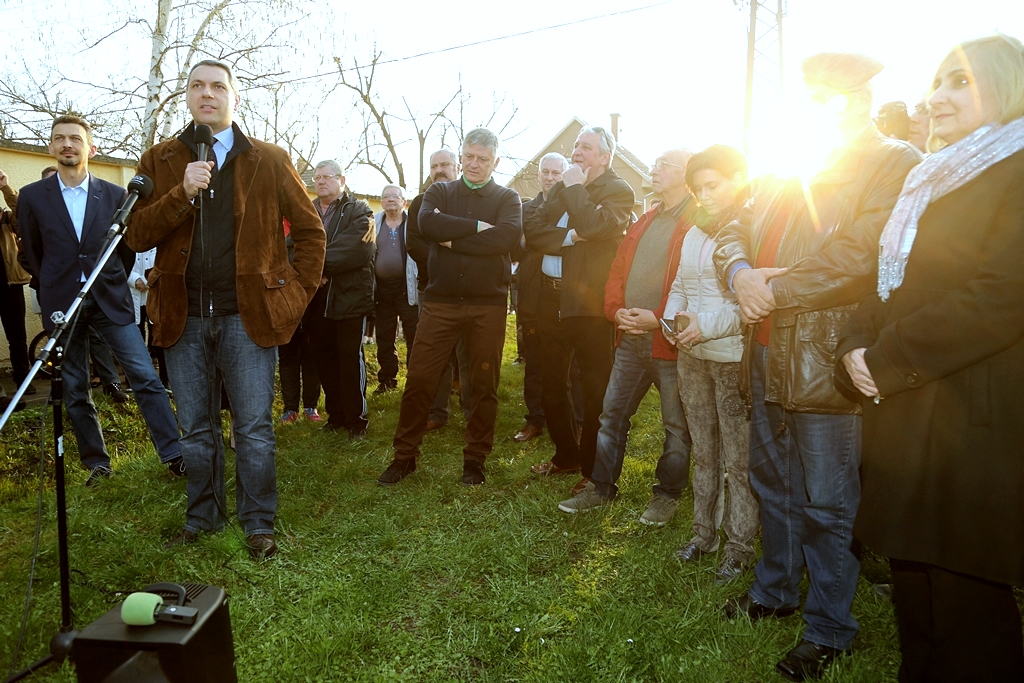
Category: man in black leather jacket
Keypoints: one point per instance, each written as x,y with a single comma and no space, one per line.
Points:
799,258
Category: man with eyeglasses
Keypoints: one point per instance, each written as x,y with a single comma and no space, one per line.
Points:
635,297
575,233
396,296
345,298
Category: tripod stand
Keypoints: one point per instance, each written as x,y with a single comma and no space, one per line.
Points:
60,644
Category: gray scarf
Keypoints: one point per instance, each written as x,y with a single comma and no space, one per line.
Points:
943,172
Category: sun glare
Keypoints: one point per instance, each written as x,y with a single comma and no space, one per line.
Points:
797,139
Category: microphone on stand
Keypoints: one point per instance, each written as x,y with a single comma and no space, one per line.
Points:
140,187
203,137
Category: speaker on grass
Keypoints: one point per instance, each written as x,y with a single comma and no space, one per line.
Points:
153,639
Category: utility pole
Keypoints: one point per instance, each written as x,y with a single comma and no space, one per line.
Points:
764,58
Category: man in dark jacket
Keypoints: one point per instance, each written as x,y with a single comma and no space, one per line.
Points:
343,301
549,172
798,268
575,233
63,222
471,225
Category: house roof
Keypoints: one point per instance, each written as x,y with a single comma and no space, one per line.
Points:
44,151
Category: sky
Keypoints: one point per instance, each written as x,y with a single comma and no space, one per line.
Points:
674,70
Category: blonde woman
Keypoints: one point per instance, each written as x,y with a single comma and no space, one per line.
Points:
936,357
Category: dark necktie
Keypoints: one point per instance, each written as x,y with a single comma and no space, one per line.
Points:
211,157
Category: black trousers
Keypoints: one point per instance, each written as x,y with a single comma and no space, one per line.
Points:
338,345
533,387
296,363
955,628
392,304
12,316
155,352
591,340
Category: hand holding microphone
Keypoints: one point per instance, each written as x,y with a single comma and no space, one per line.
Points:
199,174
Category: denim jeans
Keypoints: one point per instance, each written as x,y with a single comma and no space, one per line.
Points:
633,373
804,468
102,360
126,343
211,352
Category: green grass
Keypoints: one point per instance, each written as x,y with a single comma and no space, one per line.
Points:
424,581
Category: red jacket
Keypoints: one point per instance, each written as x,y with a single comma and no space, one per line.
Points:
615,289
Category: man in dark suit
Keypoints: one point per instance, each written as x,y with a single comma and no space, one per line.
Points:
64,221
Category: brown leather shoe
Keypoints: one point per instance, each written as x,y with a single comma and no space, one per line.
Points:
434,425
529,431
582,484
262,546
547,468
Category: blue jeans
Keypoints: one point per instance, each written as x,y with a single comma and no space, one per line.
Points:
804,468
125,341
212,351
633,373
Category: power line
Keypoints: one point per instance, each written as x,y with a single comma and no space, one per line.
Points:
492,40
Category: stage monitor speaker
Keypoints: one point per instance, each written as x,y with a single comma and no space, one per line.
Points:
110,651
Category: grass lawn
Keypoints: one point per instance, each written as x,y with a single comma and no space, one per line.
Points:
423,581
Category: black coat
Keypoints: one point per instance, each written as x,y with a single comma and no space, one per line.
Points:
600,213
943,464
348,263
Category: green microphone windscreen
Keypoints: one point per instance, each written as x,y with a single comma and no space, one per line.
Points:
138,609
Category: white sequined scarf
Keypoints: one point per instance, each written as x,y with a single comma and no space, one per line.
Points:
938,175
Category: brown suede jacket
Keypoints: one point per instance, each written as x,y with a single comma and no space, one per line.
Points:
272,293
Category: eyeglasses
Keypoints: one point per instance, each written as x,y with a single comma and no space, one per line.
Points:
318,178
661,165
392,196
922,108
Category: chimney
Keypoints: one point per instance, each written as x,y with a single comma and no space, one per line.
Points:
615,127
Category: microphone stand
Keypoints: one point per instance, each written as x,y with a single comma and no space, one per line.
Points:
60,644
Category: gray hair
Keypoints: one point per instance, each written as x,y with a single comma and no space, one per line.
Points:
445,150
482,138
554,155
232,81
397,187
332,164
605,141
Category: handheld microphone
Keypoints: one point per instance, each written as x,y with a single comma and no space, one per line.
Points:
203,137
145,609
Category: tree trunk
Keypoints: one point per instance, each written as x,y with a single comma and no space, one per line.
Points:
156,75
